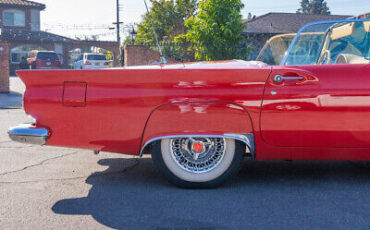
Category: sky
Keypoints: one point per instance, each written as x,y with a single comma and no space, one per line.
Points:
76,18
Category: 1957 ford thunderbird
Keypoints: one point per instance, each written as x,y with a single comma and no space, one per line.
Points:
199,120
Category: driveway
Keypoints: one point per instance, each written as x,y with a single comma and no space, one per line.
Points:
15,97
60,188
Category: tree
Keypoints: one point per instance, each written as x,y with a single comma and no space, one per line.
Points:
127,41
168,18
217,29
251,16
305,7
314,7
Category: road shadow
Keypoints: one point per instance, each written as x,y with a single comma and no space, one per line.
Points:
131,194
11,100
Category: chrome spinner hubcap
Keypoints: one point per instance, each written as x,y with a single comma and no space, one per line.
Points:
198,154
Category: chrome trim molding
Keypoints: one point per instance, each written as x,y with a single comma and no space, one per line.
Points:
247,139
29,134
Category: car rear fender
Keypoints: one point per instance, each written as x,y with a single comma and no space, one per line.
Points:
199,119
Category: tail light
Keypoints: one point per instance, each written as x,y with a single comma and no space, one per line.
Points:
87,63
106,63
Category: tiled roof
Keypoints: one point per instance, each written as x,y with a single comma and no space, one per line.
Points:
276,23
22,3
31,36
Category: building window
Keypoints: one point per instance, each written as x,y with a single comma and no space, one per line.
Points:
14,18
35,20
16,57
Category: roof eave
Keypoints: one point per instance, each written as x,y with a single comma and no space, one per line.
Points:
41,7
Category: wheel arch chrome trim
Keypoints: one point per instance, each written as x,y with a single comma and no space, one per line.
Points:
247,139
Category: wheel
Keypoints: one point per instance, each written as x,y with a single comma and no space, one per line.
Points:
198,162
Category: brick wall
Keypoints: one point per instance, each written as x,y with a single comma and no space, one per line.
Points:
142,55
4,67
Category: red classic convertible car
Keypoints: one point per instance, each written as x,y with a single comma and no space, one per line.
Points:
199,120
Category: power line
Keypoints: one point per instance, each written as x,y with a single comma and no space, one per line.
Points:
76,27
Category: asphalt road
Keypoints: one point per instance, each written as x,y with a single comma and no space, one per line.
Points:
59,188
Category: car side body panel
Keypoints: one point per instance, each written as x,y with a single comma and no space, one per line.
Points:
324,115
329,107
197,118
118,102
119,110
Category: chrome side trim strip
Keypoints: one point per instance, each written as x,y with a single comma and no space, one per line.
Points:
29,134
247,139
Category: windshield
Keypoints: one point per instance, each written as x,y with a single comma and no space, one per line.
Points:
46,56
274,50
330,42
96,58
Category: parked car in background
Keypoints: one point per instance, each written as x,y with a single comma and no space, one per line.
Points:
91,61
199,120
43,60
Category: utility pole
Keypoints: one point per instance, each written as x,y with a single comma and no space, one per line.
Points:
118,22
118,30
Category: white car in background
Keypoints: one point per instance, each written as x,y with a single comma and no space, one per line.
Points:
91,61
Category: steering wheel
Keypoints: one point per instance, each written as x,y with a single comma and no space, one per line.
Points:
324,58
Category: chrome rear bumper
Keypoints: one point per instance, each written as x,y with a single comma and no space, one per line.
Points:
29,134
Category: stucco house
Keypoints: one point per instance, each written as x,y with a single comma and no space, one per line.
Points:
20,32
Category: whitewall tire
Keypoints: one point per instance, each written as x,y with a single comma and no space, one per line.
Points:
198,162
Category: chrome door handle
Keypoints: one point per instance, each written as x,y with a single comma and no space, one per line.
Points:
278,78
